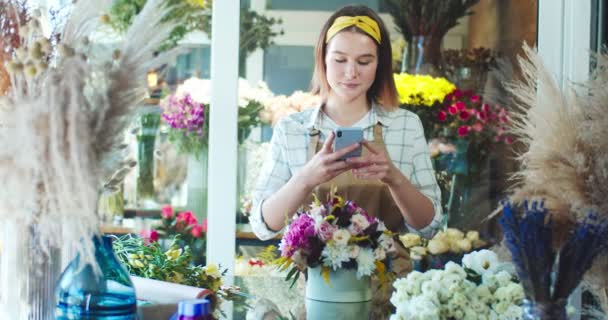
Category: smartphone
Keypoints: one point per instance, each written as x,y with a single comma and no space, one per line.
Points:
345,137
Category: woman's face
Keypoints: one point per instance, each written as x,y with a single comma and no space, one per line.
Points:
351,61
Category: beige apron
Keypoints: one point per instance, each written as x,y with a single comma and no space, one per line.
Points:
372,195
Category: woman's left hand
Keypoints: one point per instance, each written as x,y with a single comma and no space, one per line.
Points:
375,165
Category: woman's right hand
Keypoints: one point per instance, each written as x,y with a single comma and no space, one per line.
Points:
325,165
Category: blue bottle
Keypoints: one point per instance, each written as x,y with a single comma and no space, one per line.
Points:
83,294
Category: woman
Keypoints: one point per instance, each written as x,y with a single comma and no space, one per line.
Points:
392,179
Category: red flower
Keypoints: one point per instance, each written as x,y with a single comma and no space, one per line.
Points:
464,115
457,93
485,107
474,98
149,236
463,131
442,116
255,262
187,217
453,109
460,105
482,116
166,212
197,231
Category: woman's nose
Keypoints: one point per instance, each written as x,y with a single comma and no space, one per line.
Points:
351,71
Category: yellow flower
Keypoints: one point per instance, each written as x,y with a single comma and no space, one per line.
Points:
197,3
410,240
173,254
212,270
422,90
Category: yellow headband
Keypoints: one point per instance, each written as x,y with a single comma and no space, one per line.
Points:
365,23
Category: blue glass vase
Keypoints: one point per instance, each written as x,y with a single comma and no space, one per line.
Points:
82,293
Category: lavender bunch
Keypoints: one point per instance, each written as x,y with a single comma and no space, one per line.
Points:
589,239
186,120
529,239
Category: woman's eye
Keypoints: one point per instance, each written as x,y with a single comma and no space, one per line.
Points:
340,60
364,63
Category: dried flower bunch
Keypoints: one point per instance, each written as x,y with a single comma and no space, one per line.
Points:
565,134
477,58
63,119
428,17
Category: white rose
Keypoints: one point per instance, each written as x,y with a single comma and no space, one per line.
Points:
359,220
410,240
454,234
437,246
464,245
472,236
341,237
417,253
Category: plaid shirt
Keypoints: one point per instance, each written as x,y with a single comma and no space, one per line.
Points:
404,139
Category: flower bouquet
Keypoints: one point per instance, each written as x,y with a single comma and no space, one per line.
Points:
332,236
479,289
149,260
185,225
281,106
186,112
445,246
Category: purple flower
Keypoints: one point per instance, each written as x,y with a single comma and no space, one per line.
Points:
183,113
297,237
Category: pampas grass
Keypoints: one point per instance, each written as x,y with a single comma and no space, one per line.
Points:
63,120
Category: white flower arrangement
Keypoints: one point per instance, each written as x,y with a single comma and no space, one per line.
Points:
453,293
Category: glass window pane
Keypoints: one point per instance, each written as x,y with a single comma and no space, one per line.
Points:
288,68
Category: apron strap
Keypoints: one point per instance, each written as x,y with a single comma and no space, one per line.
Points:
378,133
313,142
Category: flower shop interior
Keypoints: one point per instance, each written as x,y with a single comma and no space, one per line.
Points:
134,132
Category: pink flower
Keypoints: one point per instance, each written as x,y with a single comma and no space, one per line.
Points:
187,217
204,225
482,116
453,109
463,131
477,127
326,230
460,105
464,115
474,98
197,231
442,116
508,140
166,212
